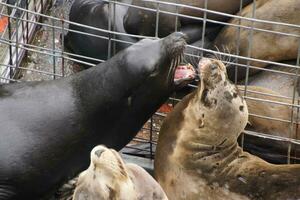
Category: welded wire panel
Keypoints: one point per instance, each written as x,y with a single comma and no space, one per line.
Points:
44,56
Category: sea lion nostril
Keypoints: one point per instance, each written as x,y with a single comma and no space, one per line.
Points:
179,36
99,152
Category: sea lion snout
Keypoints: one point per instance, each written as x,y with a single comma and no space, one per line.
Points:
99,152
212,72
175,44
209,65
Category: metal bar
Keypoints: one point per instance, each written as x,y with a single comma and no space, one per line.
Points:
296,79
109,28
157,20
238,41
181,15
204,27
53,51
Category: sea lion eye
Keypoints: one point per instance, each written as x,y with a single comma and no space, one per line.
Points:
214,70
214,66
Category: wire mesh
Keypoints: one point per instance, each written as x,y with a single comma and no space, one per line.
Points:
32,48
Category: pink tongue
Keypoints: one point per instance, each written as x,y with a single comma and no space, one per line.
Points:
184,72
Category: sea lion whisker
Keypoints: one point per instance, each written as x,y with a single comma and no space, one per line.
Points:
229,57
224,57
177,62
217,55
170,68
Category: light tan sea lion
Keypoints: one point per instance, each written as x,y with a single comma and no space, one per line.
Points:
198,157
109,178
265,45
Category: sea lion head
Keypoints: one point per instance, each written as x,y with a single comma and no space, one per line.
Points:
222,108
106,177
108,161
160,58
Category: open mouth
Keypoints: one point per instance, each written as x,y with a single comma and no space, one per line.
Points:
184,72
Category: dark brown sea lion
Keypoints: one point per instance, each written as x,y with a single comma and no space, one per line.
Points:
143,22
264,45
109,178
198,156
48,128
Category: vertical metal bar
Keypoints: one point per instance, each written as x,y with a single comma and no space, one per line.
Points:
10,41
27,24
114,27
203,27
238,41
35,10
23,26
176,29
17,40
62,44
157,20
151,137
151,119
53,49
250,41
296,79
109,28
176,18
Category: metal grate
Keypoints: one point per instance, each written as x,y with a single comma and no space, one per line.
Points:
31,48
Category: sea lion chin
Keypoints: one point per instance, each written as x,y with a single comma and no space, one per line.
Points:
108,178
198,156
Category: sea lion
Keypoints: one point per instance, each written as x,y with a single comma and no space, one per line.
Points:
143,22
279,79
49,127
197,155
108,177
264,45
273,119
96,13
276,85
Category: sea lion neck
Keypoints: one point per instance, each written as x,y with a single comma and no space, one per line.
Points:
205,142
121,84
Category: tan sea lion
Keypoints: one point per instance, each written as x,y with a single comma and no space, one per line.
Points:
265,45
269,101
109,178
271,114
198,157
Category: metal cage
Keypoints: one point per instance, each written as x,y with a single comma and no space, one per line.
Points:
31,48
